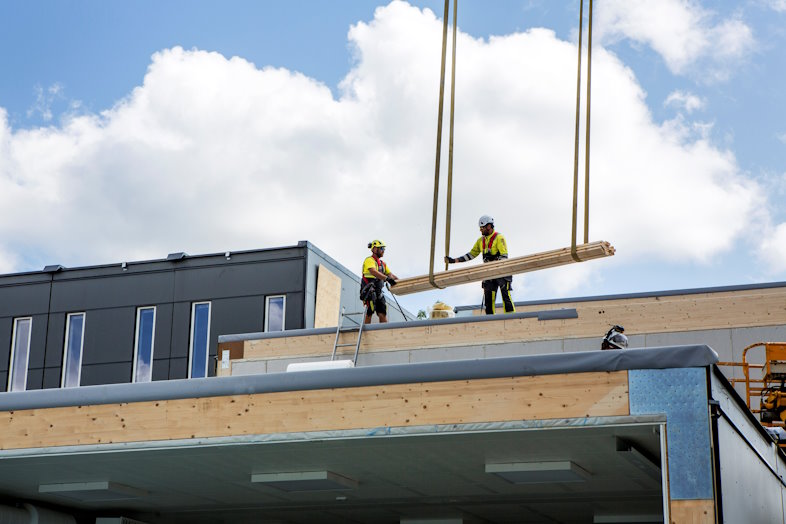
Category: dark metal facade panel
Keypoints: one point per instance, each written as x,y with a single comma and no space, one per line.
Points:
163,339
52,377
264,278
38,341
6,331
112,373
236,286
178,368
55,340
232,314
80,294
35,378
161,369
109,336
181,329
24,300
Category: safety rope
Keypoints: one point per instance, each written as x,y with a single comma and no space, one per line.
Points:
573,252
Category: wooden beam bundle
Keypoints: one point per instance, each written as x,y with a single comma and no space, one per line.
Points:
501,268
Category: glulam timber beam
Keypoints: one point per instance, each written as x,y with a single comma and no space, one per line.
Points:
501,268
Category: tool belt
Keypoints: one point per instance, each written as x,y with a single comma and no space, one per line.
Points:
370,290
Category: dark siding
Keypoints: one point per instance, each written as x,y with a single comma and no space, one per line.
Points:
114,373
52,377
55,339
181,327
109,336
163,338
24,300
6,332
109,296
178,368
117,290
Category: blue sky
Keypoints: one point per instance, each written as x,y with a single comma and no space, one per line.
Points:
106,104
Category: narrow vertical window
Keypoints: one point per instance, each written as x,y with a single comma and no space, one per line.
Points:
72,354
143,344
275,308
20,354
200,336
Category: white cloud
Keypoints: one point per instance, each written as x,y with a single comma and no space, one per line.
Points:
773,249
777,5
44,98
212,154
782,137
685,101
681,31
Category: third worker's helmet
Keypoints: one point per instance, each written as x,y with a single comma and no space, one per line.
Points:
376,243
614,339
485,219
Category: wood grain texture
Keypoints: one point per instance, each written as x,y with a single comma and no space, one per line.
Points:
511,266
328,300
657,314
451,402
692,511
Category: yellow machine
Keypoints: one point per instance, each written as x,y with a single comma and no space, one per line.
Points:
765,384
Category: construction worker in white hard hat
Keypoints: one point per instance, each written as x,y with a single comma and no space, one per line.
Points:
375,274
493,247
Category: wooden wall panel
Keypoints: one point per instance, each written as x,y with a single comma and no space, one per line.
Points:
747,308
452,402
692,511
328,301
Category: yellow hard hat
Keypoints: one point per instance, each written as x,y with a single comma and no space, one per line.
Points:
376,243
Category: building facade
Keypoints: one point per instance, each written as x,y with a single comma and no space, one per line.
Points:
159,319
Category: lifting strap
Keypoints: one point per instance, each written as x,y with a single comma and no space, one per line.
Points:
573,252
439,140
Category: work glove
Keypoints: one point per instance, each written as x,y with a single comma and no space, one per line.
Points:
450,260
390,281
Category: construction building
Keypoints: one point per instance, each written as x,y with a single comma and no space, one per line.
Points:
159,319
472,419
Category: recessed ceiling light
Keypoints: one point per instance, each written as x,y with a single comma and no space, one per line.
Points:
92,491
538,472
305,481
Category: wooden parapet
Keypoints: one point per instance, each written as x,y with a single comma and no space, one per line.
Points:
575,395
511,266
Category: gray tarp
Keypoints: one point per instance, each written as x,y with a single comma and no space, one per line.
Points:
526,365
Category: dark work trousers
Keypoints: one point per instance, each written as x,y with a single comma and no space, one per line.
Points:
490,294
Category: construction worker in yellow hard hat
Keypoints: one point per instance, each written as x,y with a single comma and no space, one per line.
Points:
375,274
493,247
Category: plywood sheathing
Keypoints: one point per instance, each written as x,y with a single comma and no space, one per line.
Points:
657,314
511,266
692,511
328,299
577,395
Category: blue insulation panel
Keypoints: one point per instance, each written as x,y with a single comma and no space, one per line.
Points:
682,395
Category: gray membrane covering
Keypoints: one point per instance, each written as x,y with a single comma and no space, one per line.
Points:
526,365
552,314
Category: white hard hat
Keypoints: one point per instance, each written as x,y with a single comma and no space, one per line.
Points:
485,219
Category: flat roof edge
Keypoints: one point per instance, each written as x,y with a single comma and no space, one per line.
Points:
526,365
643,294
540,315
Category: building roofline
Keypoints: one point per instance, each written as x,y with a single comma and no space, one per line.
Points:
645,294
167,259
524,365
